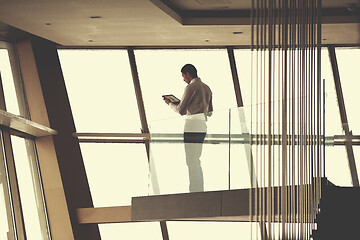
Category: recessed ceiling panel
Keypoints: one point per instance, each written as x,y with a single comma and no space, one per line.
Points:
145,23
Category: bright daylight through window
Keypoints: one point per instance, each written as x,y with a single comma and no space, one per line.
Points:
102,97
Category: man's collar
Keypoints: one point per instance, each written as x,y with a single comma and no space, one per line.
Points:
194,79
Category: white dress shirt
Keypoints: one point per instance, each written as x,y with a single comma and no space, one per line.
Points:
197,98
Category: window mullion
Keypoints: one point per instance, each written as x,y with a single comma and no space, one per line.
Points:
8,157
4,182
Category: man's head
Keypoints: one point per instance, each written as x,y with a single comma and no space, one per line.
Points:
188,71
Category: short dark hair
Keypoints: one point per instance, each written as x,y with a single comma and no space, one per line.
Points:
190,69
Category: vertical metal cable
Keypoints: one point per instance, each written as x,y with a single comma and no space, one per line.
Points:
313,120
299,112
318,95
284,212
251,192
269,132
273,83
255,107
261,120
280,11
306,113
229,153
258,91
292,109
286,99
307,132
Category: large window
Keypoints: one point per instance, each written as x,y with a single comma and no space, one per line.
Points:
100,90
348,59
30,190
8,82
22,206
243,65
163,76
337,167
130,231
116,172
102,98
6,210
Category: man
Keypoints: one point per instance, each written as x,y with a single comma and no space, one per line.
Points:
196,104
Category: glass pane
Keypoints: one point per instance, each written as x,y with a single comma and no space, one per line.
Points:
116,172
240,123
100,89
160,73
130,231
240,149
8,83
357,158
177,166
336,161
336,166
4,213
31,198
6,216
332,113
348,62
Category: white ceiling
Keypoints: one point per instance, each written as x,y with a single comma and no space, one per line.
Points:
137,23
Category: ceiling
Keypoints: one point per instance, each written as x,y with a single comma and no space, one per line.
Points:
155,22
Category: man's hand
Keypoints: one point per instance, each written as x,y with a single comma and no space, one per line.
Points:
167,101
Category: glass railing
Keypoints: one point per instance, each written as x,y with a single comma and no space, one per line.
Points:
208,153
200,153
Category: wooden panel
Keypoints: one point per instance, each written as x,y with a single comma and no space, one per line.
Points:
235,203
122,214
225,206
104,215
229,205
176,206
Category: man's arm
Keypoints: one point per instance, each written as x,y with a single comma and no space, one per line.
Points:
211,105
184,103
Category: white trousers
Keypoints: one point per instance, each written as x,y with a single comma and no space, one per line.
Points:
194,134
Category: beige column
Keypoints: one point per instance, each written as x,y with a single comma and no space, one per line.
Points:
63,174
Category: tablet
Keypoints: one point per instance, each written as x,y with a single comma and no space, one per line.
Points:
172,98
